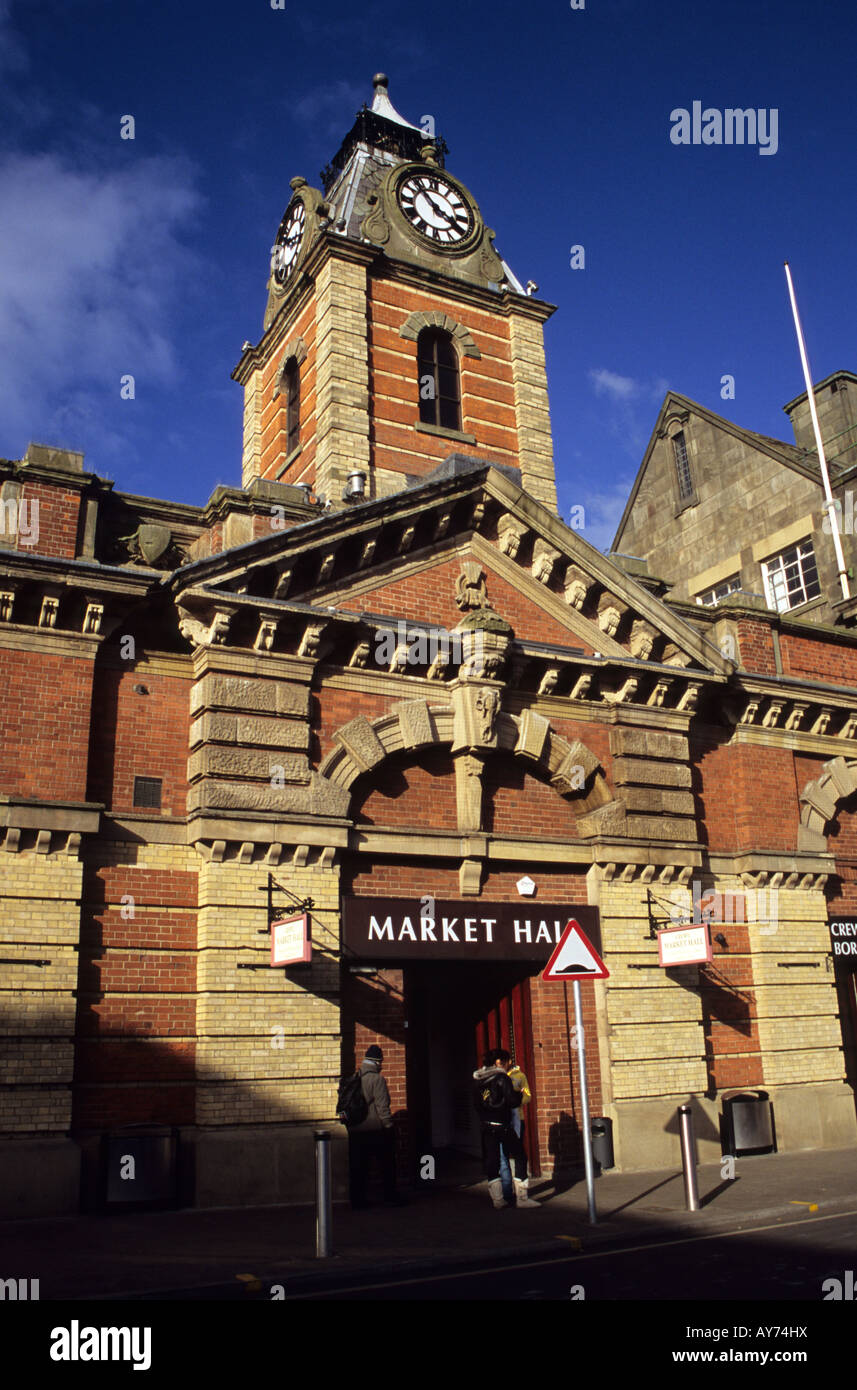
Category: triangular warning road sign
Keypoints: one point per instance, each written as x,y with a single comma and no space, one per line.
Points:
575,958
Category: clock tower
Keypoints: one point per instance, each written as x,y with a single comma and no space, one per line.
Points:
394,333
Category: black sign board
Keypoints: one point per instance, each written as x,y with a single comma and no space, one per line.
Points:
843,940
411,929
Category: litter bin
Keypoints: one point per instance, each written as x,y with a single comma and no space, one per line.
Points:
139,1167
749,1126
601,1129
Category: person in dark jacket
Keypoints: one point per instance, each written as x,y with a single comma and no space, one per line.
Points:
494,1098
375,1138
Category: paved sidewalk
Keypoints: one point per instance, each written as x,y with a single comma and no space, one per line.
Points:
206,1253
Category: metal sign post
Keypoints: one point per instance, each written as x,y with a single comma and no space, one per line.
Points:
584,1106
576,959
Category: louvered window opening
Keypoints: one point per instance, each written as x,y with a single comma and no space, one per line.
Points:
293,406
439,387
682,467
147,792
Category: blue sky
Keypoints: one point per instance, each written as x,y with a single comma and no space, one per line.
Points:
151,256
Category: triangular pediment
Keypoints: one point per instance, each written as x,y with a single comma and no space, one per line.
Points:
399,558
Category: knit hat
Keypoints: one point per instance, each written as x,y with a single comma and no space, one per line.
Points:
374,1054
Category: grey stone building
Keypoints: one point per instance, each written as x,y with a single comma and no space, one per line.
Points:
716,508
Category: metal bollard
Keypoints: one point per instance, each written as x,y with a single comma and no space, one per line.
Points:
323,1206
688,1161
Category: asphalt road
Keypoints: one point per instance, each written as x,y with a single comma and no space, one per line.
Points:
785,1261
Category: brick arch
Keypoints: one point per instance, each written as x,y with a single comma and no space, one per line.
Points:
434,318
820,800
363,745
295,348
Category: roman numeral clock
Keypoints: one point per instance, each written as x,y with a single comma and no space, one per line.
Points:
436,208
418,212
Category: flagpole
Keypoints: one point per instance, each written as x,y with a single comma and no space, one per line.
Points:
831,508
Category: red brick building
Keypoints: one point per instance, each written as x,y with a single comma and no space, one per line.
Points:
382,683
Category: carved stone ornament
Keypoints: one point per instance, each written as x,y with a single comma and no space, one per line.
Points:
201,634
544,559
609,619
510,533
153,545
485,638
474,716
470,590
642,640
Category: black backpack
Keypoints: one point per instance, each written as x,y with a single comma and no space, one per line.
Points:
491,1098
351,1106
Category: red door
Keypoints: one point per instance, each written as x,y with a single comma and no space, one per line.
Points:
507,1023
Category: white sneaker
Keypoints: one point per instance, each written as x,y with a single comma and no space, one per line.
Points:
496,1190
522,1195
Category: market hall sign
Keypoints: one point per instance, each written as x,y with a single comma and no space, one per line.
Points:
402,929
843,939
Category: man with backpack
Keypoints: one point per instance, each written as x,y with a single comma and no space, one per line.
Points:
495,1098
364,1107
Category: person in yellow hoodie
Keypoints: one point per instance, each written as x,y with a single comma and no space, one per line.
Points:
519,1081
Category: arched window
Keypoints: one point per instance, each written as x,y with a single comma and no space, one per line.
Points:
291,388
439,387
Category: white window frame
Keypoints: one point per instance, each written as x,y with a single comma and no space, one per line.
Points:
776,577
711,597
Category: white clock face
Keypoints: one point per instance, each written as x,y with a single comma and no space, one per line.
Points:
288,243
435,208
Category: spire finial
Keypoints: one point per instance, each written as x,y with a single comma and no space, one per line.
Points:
380,80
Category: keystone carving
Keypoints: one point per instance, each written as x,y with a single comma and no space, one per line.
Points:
475,709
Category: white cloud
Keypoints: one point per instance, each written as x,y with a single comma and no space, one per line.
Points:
601,511
629,416
90,265
606,383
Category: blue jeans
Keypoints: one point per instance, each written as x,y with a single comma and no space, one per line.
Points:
505,1169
